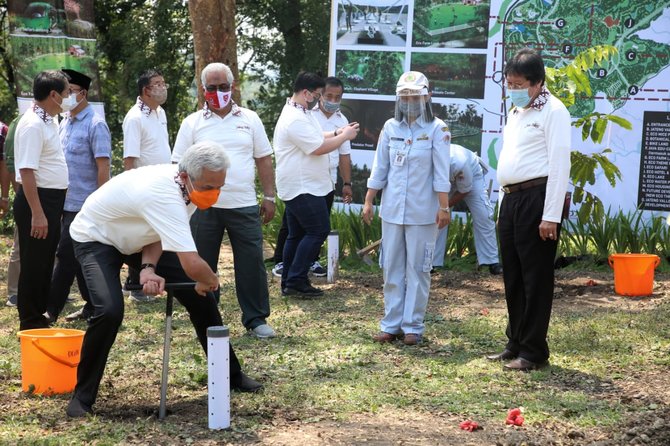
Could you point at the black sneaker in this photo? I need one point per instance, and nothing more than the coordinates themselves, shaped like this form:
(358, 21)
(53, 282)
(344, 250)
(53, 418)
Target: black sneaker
(11, 301)
(302, 291)
(317, 270)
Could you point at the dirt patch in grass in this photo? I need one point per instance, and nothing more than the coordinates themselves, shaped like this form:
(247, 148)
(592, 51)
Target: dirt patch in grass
(640, 393)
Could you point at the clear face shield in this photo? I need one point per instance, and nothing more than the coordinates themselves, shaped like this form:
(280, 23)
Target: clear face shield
(413, 105)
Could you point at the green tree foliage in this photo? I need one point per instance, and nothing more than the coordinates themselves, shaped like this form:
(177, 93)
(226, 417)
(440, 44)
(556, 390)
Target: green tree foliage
(281, 38)
(7, 98)
(135, 35)
(569, 83)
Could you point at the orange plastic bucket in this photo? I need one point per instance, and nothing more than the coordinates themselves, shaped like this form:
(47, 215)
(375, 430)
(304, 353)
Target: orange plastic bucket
(49, 359)
(634, 273)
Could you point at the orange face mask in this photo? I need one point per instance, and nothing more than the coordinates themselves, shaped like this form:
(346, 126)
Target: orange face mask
(203, 199)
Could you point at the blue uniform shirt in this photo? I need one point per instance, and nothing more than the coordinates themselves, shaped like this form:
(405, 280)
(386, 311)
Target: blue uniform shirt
(84, 138)
(411, 165)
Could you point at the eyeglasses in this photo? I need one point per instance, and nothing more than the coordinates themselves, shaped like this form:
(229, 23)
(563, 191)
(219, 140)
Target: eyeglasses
(221, 87)
(517, 86)
(315, 95)
(159, 85)
(76, 91)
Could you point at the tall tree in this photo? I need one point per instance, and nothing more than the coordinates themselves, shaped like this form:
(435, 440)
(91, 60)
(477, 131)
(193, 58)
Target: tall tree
(214, 39)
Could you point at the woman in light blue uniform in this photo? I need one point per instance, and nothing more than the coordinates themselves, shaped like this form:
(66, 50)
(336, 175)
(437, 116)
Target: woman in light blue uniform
(411, 167)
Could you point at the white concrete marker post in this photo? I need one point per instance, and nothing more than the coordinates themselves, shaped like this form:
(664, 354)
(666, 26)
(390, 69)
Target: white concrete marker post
(218, 377)
(333, 256)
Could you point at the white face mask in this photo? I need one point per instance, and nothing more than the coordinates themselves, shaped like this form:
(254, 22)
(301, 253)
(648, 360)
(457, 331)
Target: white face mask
(68, 103)
(159, 95)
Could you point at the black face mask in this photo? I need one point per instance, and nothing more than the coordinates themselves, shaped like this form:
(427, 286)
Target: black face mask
(311, 104)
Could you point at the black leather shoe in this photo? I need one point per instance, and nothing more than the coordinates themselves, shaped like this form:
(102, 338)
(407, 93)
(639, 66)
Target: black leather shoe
(524, 365)
(242, 383)
(302, 291)
(76, 409)
(505, 355)
(495, 269)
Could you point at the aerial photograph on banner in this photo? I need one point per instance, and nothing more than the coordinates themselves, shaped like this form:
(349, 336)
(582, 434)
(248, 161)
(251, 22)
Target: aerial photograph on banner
(52, 18)
(369, 72)
(453, 75)
(452, 24)
(465, 122)
(372, 22)
(48, 54)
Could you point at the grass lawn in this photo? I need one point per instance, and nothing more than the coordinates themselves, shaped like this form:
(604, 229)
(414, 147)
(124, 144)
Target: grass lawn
(327, 383)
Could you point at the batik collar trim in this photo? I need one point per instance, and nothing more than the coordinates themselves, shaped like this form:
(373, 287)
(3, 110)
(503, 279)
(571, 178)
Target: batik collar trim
(43, 115)
(291, 102)
(144, 108)
(207, 113)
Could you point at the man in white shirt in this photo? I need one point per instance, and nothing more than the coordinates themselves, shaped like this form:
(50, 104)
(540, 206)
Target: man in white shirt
(533, 172)
(42, 172)
(466, 174)
(141, 218)
(303, 182)
(145, 137)
(241, 132)
(330, 118)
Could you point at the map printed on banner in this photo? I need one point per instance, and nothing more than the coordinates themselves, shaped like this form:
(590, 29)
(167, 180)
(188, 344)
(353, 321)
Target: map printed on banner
(461, 46)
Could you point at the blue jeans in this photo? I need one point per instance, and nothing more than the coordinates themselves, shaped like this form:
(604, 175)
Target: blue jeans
(308, 227)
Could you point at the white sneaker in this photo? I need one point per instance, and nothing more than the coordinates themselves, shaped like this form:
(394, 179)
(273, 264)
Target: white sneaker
(317, 270)
(277, 269)
(139, 296)
(263, 331)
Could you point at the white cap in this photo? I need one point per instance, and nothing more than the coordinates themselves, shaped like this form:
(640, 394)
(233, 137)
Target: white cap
(412, 83)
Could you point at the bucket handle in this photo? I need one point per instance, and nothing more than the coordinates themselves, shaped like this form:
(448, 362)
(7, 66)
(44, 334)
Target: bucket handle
(610, 260)
(65, 362)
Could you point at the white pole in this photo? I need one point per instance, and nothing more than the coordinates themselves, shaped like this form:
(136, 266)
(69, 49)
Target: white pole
(333, 256)
(218, 377)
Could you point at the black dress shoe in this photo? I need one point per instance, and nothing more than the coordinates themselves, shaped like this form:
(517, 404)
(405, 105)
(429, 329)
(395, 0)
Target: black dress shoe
(302, 291)
(524, 365)
(76, 409)
(505, 355)
(495, 269)
(243, 383)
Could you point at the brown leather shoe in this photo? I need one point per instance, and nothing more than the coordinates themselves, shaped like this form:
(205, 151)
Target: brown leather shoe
(505, 355)
(382, 337)
(524, 365)
(412, 339)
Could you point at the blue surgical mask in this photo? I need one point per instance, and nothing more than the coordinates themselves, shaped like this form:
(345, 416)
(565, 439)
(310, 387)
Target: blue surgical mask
(330, 107)
(520, 98)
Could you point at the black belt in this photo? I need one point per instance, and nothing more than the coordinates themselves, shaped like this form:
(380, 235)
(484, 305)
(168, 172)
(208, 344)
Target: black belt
(523, 186)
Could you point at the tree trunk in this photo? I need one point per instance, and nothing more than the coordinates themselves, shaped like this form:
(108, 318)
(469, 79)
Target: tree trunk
(214, 39)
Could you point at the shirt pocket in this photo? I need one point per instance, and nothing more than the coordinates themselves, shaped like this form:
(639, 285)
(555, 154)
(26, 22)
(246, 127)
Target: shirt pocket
(421, 155)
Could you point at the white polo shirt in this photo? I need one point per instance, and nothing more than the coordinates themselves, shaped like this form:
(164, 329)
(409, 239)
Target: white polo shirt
(242, 135)
(330, 124)
(135, 209)
(37, 147)
(145, 135)
(536, 143)
(298, 134)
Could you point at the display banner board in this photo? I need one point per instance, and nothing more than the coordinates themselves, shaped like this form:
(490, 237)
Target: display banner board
(51, 35)
(461, 47)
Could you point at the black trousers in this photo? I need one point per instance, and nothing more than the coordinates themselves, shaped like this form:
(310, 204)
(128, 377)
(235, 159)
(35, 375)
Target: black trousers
(528, 272)
(67, 268)
(283, 231)
(37, 256)
(101, 265)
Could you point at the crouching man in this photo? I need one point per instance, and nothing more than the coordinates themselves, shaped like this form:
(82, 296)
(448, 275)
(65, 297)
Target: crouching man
(141, 218)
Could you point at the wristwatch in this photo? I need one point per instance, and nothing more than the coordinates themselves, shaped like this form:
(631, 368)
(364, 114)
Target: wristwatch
(270, 199)
(346, 183)
(447, 209)
(147, 265)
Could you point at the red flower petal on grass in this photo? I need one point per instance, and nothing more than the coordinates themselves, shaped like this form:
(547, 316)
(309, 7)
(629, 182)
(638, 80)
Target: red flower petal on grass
(591, 282)
(484, 312)
(518, 421)
(469, 425)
